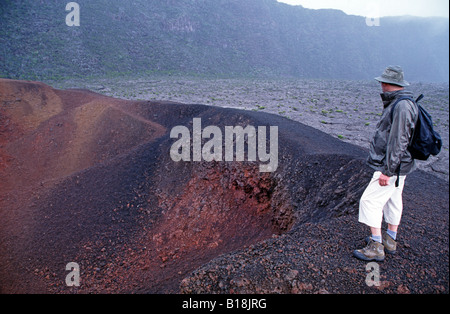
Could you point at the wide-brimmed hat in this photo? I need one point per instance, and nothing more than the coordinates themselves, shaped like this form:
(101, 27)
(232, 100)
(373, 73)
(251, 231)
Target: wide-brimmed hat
(393, 75)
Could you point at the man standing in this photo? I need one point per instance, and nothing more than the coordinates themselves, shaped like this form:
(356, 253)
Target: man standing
(391, 160)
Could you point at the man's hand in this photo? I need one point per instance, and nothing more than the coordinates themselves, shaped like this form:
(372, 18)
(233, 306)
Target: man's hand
(384, 180)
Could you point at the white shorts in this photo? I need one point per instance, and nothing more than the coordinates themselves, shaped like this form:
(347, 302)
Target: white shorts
(378, 201)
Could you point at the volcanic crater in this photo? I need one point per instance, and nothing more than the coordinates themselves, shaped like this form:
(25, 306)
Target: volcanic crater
(88, 179)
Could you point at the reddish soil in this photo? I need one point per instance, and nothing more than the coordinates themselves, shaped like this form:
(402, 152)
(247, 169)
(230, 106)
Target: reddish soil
(88, 179)
(83, 183)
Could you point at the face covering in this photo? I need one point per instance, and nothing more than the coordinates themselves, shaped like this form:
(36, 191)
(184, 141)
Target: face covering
(387, 97)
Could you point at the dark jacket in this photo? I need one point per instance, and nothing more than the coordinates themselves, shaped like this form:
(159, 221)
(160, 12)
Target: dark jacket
(392, 137)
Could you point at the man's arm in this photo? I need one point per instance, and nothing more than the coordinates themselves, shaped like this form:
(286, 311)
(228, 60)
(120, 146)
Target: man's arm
(399, 136)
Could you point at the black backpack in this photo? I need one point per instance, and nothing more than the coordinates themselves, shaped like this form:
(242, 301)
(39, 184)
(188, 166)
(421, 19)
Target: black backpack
(425, 141)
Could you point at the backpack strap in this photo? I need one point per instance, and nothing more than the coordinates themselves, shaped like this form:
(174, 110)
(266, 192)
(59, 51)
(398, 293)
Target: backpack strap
(405, 98)
(396, 103)
(397, 182)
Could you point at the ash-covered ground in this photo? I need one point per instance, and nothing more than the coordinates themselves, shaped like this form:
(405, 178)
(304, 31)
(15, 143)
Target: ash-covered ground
(88, 179)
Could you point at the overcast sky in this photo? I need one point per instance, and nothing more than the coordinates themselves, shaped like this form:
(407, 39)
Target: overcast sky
(379, 8)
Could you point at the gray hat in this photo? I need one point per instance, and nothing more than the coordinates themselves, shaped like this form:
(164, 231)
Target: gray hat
(393, 75)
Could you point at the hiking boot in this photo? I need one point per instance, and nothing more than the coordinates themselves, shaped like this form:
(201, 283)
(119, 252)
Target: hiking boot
(389, 244)
(374, 251)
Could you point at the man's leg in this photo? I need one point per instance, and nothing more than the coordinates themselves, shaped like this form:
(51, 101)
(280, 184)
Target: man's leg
(393, 228)
(376, 234)
(392, 231)
(392, 212)
(373, 201)
(393, 209)
(371, 208)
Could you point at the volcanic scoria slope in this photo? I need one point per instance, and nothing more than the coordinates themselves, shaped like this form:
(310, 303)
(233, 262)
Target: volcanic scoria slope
(88, 179)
